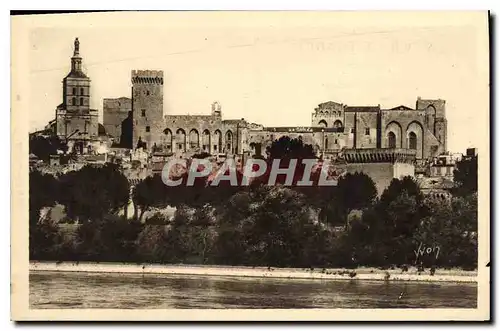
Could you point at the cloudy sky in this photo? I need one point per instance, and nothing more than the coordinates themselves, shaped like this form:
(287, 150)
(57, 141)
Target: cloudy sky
(271, 68)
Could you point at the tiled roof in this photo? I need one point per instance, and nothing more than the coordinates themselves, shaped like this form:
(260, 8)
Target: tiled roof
(76, 74)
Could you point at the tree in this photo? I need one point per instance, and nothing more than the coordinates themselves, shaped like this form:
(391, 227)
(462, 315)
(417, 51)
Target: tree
(43, 233)
(93, 191)
(399, 212)
(465, 176)
(355, 191)
(397, 187)
(150, 192)
(279, 227)
(110, 238)
(286, 149)
(152, 244)
(44, 146)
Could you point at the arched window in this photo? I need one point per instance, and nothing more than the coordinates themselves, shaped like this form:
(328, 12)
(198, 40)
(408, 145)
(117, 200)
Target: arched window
(323, 123)
(412, 140)
(167, 140)
(217, 148)
(181, 140)
(391, 137)
(194, 139)
(206, 141)
(229, 142)
(337, 124)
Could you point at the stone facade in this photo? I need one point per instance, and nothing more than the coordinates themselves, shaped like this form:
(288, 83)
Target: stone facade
(116, 113)
(383, 143)
(147, 108)
(334, 126)
(75, 123)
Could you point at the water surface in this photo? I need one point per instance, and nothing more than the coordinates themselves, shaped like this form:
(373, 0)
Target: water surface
(90, 290)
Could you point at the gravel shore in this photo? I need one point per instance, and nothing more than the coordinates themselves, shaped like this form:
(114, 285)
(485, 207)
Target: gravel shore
(453, 275)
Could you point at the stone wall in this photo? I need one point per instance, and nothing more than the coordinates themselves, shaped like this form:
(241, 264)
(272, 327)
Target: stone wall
(115, 114)
(87, 125)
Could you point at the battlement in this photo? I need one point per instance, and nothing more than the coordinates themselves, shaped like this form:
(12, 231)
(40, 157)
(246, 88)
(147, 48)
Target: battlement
(380, 155)
(147, 77)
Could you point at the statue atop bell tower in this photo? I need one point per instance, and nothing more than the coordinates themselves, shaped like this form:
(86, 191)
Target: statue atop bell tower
(77, 47)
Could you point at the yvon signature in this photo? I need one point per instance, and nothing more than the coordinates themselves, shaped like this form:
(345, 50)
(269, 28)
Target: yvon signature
(427, 250)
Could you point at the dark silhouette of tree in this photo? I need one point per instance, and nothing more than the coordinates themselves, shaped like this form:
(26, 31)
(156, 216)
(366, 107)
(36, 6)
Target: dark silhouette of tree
(110, 238)
(286, 149)
(398, 186)
(355, 191)
(44, 146)
(94, 191)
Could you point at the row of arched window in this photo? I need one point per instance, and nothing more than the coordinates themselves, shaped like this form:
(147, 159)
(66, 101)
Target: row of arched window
(74, 102)
(337, 124)
(75, 91)
(210, 143)
(412, 140)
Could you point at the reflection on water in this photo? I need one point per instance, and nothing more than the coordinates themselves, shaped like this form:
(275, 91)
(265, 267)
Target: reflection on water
(84, 290)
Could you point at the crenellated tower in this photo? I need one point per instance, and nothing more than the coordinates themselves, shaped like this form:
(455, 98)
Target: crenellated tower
(147, 108)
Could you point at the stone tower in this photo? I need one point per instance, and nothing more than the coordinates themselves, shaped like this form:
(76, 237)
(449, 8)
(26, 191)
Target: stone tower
(435, 119)
(147, 108)
(76, 85)
(76, 124)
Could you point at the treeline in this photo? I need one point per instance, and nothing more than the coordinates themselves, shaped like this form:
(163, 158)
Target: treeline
(337, 226)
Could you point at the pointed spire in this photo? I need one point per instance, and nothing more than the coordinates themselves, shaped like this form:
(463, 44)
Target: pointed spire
(77, 47)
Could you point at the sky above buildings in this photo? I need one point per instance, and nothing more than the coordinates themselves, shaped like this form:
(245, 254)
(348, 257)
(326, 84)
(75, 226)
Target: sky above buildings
(272, 68)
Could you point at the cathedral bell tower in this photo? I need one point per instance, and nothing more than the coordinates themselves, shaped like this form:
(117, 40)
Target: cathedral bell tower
(76, 124)
(76, 85)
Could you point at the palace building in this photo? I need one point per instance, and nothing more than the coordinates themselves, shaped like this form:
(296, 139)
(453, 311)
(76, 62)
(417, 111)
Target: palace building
(398, 140)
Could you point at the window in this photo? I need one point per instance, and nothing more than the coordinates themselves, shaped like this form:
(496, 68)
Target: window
(391, 137)
(74, 90)
(215, 147)
(147, 92)
(336, 141)
(81, 91)
(326, 143)
(143, 112)
(148, 129)
(352, 130)
(412, 137)
(73, 101)
(81, 101)
(367, 131)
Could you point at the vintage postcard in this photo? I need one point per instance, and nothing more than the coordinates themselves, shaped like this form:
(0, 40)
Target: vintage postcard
(290, 166)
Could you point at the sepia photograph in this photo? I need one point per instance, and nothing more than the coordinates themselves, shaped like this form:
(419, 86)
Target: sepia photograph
(251, 166)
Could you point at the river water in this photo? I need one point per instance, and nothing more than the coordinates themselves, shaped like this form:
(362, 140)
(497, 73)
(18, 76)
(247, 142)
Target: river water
(90, 290)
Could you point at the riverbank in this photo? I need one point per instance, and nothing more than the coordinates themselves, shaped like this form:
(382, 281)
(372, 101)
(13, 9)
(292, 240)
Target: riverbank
(454, 275)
